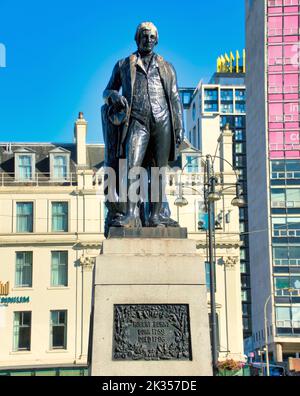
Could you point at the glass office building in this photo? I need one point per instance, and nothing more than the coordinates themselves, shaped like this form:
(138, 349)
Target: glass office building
(273, 29)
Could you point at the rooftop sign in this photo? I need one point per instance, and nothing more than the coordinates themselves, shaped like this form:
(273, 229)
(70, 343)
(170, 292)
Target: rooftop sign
(231, 63)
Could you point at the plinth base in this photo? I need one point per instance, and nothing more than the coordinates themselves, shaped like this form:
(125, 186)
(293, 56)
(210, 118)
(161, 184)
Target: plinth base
(150, 310)
(158, 232)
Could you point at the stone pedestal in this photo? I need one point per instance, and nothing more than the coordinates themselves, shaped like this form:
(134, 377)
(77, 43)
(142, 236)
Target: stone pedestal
(150, 310)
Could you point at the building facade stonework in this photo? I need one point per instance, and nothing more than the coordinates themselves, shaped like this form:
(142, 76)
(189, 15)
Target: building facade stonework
(52, 227)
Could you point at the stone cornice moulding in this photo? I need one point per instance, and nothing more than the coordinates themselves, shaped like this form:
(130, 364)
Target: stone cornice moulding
(37, 190)
(220, 245)
(52, 239)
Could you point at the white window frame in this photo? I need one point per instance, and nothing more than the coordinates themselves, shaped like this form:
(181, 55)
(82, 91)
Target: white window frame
(15, 347)
(15, 216)
(65, 347)
(59, 152)
(50, 228)
(67, 272)
(52, 164)
(23, 286)
(17, 166)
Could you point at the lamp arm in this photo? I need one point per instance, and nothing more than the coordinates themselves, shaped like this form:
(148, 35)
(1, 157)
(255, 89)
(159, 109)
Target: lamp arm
(223, 159)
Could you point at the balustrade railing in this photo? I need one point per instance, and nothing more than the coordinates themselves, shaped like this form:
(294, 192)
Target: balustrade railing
(39, 179)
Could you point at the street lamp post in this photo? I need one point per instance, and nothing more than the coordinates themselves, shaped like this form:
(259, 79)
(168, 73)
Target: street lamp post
(210, 198)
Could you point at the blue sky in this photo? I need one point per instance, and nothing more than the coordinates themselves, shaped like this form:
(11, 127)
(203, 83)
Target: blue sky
(60, 54)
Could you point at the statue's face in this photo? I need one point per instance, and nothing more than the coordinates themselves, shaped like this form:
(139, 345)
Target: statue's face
(147, 41)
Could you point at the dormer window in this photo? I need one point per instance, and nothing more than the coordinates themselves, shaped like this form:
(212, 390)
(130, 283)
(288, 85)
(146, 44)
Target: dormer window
(59, 164)
(24, 165)
(60, 167)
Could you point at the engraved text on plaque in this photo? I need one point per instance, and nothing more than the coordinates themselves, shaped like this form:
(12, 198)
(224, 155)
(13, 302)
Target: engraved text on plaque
(151, 332)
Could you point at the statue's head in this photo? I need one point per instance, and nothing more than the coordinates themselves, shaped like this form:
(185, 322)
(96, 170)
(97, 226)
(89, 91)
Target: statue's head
(146, 37)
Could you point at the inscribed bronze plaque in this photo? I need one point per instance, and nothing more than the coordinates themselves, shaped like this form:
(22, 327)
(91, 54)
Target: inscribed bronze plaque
(151, 332)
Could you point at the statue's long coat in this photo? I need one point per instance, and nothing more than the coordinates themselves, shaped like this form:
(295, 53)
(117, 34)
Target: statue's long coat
(123, 76)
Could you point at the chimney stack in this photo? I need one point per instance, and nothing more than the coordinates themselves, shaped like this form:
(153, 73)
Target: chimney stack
(80, 132)
(226, 141)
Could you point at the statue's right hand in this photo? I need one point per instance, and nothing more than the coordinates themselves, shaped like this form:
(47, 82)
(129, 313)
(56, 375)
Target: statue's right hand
(118, 101)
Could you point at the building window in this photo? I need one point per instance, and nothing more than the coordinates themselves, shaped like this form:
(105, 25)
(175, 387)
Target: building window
(23, 269)
(240, 94)
(211, 94)
(296, 317)
(245, 296)
(241, 174)
(224, 120)
(24, 217)
(59, 269)
(239, 148)
(288, 320)
(239, 135)
(60, 167)
(22, 330)
(226, 108)
(287, 286)
(245, 281)
(199, 136)
(289, 169)
(240, 121)
(25, 167)
(194, 139)
(58, 330)
(242, 228)
(243, 254)
(227, 95)
(293, 197)
(227, 101)
(285, 197)
(240, 107)
(283, 317)
(286, 255)
(210, 107)
(59, 216)
(240, 161)
(278, 197)
(243, 267)
(192, 164)
(211, 100)
(246, 324)
(194, 112)
(286, 227)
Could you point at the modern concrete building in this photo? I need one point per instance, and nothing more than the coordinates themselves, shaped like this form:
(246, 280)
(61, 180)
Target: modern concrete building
(52, 227)
(273, 162)
(211, 107)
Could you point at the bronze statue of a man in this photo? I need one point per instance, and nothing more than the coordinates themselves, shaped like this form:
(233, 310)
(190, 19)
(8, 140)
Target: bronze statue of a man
(152, 127)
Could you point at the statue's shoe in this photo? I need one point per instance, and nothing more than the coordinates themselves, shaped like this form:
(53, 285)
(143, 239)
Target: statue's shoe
(159, 221)
(169, 222)
(128, 222)
(155, 221)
